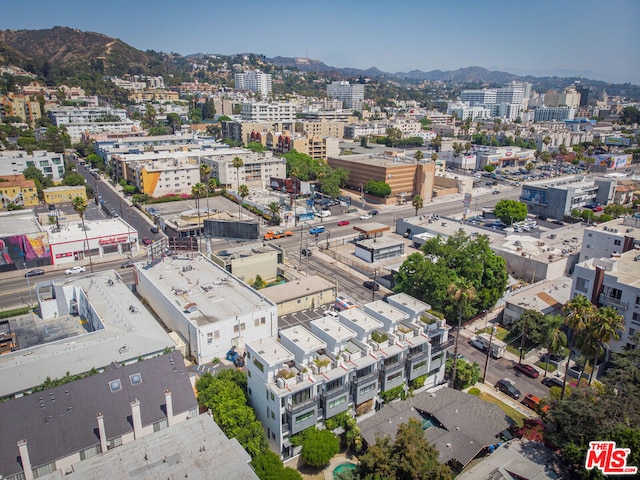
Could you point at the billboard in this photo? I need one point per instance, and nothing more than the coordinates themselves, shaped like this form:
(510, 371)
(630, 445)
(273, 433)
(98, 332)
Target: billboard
(613, 162)
(230, 229)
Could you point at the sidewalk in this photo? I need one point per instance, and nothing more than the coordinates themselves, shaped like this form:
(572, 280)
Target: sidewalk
(507, 400)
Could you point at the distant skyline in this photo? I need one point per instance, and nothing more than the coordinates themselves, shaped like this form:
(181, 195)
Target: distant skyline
(591, 38)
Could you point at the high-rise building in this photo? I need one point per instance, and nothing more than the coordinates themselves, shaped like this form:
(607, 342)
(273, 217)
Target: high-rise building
(256, 81)
(351, 95)
(583, 90)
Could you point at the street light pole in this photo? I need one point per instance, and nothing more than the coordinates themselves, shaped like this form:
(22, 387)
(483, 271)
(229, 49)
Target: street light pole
(373, 285)
(28, 284)
(486, 363)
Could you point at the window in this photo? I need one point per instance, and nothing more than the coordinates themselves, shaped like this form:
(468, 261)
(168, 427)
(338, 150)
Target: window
(419, 365)
(114, 442)
(258, 365)
(272, 396)
(333, 384)
(368, 388)
(301, 396)
(161, 425)
(635, 317)
(209, 338)
(135, 379)
(273, 415)
(393, 376)
(637, 300)
(242, 327)
(617, 242)
(216, 334)
(582, 284)
(337, 401)
(257, 322)
(304, 416)
(236, 329)
(263, 320)
(115, 385)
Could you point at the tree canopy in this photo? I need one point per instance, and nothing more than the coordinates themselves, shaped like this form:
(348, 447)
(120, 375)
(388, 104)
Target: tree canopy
(409, 456)
(427, 275)
(510, 211)
(319, 446)
(377, 189)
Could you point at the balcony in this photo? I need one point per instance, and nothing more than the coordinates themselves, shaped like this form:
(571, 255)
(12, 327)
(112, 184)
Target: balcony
(293, 409)
(365, 378)
(393, 367)
(606, 300)
(442, 346)
(416, 356)
(345, 387)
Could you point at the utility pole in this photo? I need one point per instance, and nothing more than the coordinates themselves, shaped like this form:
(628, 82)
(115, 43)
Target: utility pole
(373, 286)
(486, 363)
(524, 334)
(300, 264)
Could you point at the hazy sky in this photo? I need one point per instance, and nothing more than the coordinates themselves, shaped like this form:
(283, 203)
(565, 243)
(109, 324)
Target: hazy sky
(598, 39)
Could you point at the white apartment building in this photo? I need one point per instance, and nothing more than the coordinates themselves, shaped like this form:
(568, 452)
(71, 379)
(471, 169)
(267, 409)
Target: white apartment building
(610, 238)
(13, 162)
(268, 112)
(311, 375)
(559, 114)
(210, 310)
(506, 102)
(255, 80)
(463, 111)
(256, 171)
(165, 176)
(351, 95)
(354, 131)
(69, 115)
(613, 282)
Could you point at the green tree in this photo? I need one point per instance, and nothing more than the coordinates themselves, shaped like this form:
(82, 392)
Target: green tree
(205, 171)
(409, 457)
(377, 189)
(73, 179)
(243, 191)
(198, 191)
(274, 211)
(319, 447)
(417, 202)
(510, 211)
(605, 326)
(79, 204)
(394, 135)
(427, 275)
(256, 147)
(467, 373)
(458, 148)
(418, 156)
(237, 163)
(268, 466)
(555, 339)
(259, 283)
(630, 115)
(363, 141)
(579, 311)
(530, 327)
(461, 293)
(437, 142)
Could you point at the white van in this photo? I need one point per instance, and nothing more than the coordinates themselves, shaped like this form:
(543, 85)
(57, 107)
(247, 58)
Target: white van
(323, 213)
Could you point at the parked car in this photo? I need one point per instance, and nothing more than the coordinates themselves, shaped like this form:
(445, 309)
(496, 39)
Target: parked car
(534, 403)
(371, 285)
(114, 214)
(306, 252)
(496, 192)
(72, 270)
(34, 273)
(342, 223)
(154, 229)
(147, 241)
(366, 216)
(373, 212)
(597, 208)
(127, 264)
(552, 382)
(528, 370)
(506, 387)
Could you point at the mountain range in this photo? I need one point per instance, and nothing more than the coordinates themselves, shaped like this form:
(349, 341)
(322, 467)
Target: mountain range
(59, 51)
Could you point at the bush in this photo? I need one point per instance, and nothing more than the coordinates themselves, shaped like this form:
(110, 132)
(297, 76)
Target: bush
(475, 391)
(418, 382)
(319, 447)
(392, 394)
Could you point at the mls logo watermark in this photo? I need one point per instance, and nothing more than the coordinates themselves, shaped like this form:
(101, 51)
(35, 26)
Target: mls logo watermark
(609, 459)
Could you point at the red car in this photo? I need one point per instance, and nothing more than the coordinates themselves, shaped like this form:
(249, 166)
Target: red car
(597, 208)
(342, 223)
(528, 370)
(147, 241)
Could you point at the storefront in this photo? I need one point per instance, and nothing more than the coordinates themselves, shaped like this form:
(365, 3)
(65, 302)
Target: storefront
(111, 237)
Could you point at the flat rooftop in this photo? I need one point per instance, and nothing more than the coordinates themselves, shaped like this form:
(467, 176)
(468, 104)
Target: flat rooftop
(625, 267)
(214, 293)
(334, 329)
(303, 338)
(358, 317)
(128, 333)
(542, 295)
(628, 226)
(379, 242)
(18, 222)
(271, 351)
(413, 304)
(297, 288)
(386, 310)
(72, 231)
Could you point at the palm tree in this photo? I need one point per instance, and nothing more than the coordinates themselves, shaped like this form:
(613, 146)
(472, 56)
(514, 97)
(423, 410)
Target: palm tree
(80, 206)
(274, 210)
(434, 156)
(579, 311)
(294, 173)
(461, 293)
(243, 191)
(606, 327)
(205, 170)
(237, 163)
(198, 191)
(417, 202)
(418, 156)
(555, 338)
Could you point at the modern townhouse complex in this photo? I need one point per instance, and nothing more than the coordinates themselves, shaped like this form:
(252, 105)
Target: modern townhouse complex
(342, 364)
(351, 95)
(613, 281)
(13, 162)
(255, 81)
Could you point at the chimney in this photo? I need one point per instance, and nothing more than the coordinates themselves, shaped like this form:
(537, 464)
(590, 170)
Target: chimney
(169, 404)
(102, 432)
(137, 419)
(24, 457)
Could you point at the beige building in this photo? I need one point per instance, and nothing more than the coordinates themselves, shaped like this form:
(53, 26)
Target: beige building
(248, 262)
(301, 294)
(568, 98)
(64, 194)
(162, 96)
(23, 106)
(405, 177)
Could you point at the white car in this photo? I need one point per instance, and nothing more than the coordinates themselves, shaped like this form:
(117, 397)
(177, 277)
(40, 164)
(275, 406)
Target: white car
(72, 270)
(366, 216)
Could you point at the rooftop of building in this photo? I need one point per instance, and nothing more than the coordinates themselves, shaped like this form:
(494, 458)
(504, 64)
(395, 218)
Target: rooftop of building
(543, 295)
(387, 310)
(271, 351)
(380, 160)
(333, 328)
(18, 222)
(358, 317)
(415, 305)
(72, 232)
(63, 188)
(379, 242)
(208, 292)
(303, 338)
(60, 421)
(297, 288)
(624, 267)
(64, 344)
(627, 226)
(197, 447)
